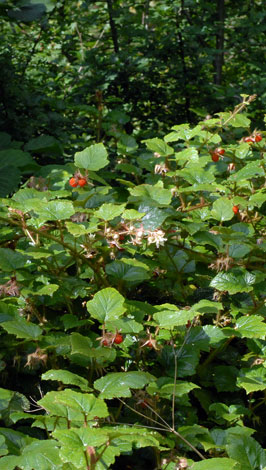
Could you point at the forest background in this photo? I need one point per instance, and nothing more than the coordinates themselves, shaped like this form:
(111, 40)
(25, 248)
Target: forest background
(132, 235)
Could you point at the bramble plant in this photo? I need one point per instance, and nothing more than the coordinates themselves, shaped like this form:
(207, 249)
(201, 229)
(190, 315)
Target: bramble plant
(133, 305)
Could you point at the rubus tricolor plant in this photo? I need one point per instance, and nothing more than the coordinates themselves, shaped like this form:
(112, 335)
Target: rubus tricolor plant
(133, 309)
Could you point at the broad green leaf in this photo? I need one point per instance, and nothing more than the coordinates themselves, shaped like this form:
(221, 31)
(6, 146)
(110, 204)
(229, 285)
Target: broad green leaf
(251, 327)
(216, 464)
(159, 146)
(22, 329)
(118, 384)
(132, 214)
(11, 401)
(106, 305)
(151, 194)
(47, 290)
(252, 380)
(242, 150)
(240, 120)
(257, 199)
(52, 210)
(51, 403)
(45, 144)
(82, 348)
(251, 170)
(74, 443)
(9, 462)
(154, 217)
(11, 260)
(109, 211)
(246, 451)
(125, 325)
(234, 281)
(93, 158)
(85, 403)
(164, 387)
(15, 441)
(222, 209)
(128, 270)
(171, 318)
(41, 455)
(15, 157)
(197, 435)
(190, 154)
(3, 446)
(66, 377)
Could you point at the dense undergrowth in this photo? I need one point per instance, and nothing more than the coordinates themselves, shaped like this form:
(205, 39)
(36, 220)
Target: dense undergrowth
(133, 302)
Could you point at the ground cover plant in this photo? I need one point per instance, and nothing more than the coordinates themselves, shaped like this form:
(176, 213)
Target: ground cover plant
(133, 302)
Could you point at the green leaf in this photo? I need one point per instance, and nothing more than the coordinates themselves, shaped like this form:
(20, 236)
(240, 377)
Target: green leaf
(252, 380)
(164, 387)
(132, 214)
(67, 377)
(82, 349)
(242, 150)
(216, 464)
(11, 260)
(45, 144)
(171, 318)
(85, 403)
(257, 199)
(151, 194)
(22, 329)
(109, 211)
(234, 281)
(74, 444)
(128, 270)
(52, 210)
(222, 209)
(159, 146)
(92, 158)
(106, 305)
(118, 384)
(251, 327)
(249, 171)
(51, 404)
(15, 157)
(42, 455)
(190, 154)
(3, 446)
(225, 378)
(246, 451)
(240, 120)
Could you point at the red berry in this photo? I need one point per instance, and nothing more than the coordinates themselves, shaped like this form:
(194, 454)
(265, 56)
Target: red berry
(82, 182)
(249, 140)
(149, 344)
(235, 209)
(257, 138)
(215, 156)
(105, 342)
(118, 339)
(220, 151)
(73, 182)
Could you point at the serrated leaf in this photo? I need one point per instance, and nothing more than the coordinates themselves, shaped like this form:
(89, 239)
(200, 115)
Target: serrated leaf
(246, 451)
(42, 455)
(128, 270)
(216, 464)
(251, 327)
(159, 146)
(234, 281)
(109, 211)
(87, 404)
(67, 377)
(22, 329)
(222, 209)
(171, 318)
(190, 154)
(250, 170)
(74, 444)
(118, 384)
(52, 210)
(155, 195)
(240, 120)
(11, 260)
(93, 158)
(45, 144)
(106, 305)
(165, 387)
(252, 380)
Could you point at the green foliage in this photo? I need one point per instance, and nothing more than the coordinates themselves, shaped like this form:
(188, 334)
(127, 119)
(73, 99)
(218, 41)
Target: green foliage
(132, 308)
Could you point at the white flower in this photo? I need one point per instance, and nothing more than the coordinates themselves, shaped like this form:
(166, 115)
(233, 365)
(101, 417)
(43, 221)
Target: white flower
(156, 237)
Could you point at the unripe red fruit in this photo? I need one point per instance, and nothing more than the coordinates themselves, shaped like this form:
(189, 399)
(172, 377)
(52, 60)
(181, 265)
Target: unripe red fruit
(73, 182)
(215, 157)
(82, 182)
(257, 138)
(149, 344)
(235, 209)
(105, 342)
(118, 339)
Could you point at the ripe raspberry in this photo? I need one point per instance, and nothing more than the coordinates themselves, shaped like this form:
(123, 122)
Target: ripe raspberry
(235, 209)
(257, 138)
(215, 157)
(73, 182)
(82, 182)
(118, 339)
